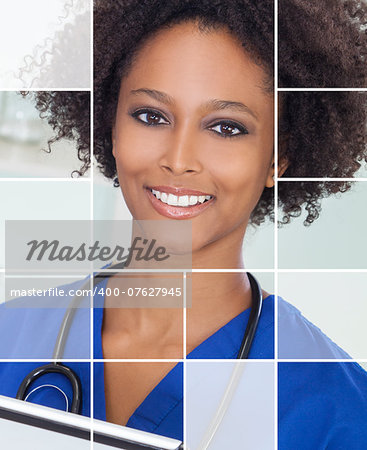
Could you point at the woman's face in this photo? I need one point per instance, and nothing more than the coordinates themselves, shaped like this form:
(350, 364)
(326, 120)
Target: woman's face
(193, 136)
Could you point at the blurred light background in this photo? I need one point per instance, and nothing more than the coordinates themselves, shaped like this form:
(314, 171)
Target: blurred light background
(33, 50)
(40, 200)
(336, 240)
(334, 302)
(23, 139)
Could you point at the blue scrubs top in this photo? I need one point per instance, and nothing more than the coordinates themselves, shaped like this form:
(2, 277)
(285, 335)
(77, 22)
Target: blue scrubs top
(321, 405)
(162, 410)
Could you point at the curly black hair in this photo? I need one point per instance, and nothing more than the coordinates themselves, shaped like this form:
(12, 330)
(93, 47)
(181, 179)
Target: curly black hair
(322, 43)
(322, 134)
(68, 113)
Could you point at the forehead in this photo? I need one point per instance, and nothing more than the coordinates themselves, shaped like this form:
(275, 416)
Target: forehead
(184, 60)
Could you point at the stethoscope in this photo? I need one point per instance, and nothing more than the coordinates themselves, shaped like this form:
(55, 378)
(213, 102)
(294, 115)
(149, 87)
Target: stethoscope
(57, 367)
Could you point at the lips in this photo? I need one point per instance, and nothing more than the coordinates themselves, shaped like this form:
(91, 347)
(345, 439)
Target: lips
(178, 203)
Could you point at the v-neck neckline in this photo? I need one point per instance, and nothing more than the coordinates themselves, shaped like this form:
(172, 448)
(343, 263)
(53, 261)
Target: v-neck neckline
(164, 397)
(168, 393)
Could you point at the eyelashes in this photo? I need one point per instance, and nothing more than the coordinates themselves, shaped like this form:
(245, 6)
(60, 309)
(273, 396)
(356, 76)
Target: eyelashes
(227, 128)
(224, 128)
(150, 117)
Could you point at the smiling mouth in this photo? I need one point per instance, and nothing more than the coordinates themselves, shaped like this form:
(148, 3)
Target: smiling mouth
(178, 203)
(183, 201)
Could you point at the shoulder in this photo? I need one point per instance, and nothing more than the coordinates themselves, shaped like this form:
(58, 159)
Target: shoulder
(263, 344)
(298, 338)
(29, 325)
(329, 398)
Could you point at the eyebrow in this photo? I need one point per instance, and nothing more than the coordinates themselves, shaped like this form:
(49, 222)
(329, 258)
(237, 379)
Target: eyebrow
(215, 104)
(220, 105)
(156, 95)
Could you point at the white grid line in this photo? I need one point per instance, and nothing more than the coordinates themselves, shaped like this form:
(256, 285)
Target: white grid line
(249, 269)
(191, 361)
(318, 360)
(47, 179)
(184, 359)
(300, 179)
(275, 223)
(48, 89)
(304, 179)
(282, 270)
(89, 178)
(90, 360)
(92, 217)
(322, 89)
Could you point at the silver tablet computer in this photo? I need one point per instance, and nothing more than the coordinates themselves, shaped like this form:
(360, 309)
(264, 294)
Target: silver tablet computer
(26, 425)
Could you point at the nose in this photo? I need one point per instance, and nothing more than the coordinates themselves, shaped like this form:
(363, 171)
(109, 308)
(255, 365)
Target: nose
(182, 152)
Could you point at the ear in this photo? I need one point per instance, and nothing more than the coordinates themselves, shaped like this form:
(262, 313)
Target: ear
(283, 161)
(283, 164)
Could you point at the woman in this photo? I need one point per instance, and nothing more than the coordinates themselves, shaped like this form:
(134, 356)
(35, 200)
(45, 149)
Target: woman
(184, 124)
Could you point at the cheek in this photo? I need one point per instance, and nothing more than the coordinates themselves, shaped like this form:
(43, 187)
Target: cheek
(134, 153)
(242, 169)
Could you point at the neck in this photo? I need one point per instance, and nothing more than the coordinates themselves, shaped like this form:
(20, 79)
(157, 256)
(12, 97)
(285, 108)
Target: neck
(213, 299)
(216, 298)
(226, 253)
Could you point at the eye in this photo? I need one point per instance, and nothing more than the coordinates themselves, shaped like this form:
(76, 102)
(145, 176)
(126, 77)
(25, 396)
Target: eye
(150, 117)
(228, 129)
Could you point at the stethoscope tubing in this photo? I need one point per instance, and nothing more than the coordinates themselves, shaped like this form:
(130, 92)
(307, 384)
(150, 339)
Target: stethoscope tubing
(256, 308)
(58, 367)
(74, 380)
(67, 320)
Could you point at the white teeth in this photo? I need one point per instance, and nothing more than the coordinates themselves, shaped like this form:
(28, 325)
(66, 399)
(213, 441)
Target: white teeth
(180, 200)
(172, 200)
(193, 200)
(183, 200)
